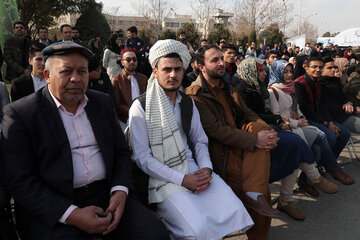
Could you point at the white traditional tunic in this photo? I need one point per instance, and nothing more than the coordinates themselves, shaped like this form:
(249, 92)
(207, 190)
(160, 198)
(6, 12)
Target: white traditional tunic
(211, 214)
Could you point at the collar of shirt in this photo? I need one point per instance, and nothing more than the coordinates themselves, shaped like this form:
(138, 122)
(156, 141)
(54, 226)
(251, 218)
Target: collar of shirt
(81, 107)
(212, 86)
(37, 79)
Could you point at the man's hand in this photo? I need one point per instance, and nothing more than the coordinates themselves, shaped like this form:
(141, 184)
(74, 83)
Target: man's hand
(349, 109)
(266, 140)
(302, 123)
(334, 128)
(115, 209)
(90, 219)
(198, 181)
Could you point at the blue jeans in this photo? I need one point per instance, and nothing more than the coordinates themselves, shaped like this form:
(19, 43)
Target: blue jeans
(337, 144)
(323, 154)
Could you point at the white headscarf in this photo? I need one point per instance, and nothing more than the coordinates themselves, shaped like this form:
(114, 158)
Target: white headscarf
(164, 47)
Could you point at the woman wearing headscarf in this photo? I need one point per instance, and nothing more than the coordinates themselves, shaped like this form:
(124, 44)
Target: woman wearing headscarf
(94, 48)
(299, 67)
(291, 149)
(343, 65)
(112, 56)
(284, 102)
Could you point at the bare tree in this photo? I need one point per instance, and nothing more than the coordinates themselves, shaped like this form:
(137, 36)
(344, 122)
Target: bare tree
(202, 11)
(309, 29)
(256, 15)
(113, 10)
(154, 11)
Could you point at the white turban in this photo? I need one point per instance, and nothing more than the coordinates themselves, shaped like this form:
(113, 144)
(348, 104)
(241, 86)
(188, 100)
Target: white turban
(164, 47)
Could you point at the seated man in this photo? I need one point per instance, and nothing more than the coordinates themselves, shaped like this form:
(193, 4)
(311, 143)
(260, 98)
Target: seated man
(313, 104)
(27, 84)
(240, 142)
(128, 84)
(170, 145)
(66, 162)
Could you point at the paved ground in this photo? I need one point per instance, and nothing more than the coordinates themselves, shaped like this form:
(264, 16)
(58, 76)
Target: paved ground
(328, 217)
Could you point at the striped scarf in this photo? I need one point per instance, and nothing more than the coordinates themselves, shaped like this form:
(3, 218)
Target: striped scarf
(165, 140)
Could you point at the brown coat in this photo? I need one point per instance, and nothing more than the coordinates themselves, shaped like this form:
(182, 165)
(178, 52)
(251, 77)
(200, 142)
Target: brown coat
(232, 149)
(122, 90)
(221, 134)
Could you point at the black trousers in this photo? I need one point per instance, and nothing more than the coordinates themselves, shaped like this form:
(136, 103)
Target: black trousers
(137, 222)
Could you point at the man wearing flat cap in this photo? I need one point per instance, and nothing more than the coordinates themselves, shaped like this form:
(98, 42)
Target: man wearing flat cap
(65, 160)
(170, 145)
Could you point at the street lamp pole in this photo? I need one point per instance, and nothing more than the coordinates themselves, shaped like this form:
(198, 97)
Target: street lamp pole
(299, 18)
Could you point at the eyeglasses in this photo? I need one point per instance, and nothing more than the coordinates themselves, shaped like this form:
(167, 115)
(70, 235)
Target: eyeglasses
(317, 67)
(19, 27)
(129, 59)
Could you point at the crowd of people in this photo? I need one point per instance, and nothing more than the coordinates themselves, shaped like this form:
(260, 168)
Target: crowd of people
(208, 127)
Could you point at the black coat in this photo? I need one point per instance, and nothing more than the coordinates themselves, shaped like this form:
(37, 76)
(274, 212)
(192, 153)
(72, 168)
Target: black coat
(21, 87)
(16, 53)
(335, 98)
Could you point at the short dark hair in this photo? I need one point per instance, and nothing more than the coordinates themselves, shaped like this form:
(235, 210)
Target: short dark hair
(132, 29)
(316, 58)
(203, 40)
(201, 52)
(41, 28)
(327, 59)
(227, 46)
(75, 28)
(271, 52)
(64, 26)
(182, 33)
(18, 22)
(170, 55)
(34, 48)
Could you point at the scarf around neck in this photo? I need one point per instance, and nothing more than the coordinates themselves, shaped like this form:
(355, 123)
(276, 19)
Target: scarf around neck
(165, 140)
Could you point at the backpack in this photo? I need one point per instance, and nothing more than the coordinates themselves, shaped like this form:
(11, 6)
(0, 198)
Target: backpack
(141, 179)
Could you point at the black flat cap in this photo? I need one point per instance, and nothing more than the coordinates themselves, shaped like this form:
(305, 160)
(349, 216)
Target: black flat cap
(65, 47)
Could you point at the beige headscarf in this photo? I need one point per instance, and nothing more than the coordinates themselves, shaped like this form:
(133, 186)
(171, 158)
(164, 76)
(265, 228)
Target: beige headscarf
(341, 63)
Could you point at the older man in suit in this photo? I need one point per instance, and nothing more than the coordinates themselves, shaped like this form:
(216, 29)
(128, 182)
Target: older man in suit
(66, 162)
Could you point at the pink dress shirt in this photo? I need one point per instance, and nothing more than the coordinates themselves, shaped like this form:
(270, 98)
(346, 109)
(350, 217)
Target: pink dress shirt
(88, 163)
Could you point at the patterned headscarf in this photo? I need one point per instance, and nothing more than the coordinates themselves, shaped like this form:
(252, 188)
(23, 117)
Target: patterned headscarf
(277, 72)
(248, 71)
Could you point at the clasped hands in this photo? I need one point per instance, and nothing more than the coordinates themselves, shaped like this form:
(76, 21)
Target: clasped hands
(199, 181)
(267, 140)
(93, 219)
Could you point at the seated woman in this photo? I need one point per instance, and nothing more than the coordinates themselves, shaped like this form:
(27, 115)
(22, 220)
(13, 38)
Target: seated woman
(284, 103)
(291, 151)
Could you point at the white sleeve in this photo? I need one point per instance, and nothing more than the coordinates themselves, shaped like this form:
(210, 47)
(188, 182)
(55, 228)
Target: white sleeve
(198, 136)
(106, 58)
(141, 148)
(275, 107)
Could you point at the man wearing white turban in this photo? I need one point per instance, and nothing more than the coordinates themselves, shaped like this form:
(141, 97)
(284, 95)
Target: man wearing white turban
(194, 202)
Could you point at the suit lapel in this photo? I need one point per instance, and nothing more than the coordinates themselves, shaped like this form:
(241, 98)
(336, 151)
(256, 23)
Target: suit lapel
(93, 112)
(56, 126)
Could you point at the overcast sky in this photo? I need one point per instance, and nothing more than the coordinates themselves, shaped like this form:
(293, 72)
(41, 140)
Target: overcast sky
(327, 15)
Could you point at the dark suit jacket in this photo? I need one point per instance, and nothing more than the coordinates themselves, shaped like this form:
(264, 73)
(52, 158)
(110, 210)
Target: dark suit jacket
(21, 87)
(37, 161)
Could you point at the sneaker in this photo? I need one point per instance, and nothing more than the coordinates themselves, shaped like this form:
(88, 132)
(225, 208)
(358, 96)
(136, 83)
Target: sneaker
(289, 208)
(323, 185)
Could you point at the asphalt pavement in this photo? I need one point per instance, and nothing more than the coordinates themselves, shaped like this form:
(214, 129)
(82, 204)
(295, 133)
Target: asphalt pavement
(329, 216)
